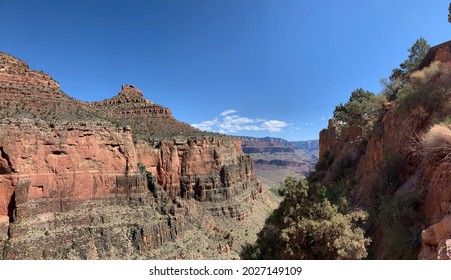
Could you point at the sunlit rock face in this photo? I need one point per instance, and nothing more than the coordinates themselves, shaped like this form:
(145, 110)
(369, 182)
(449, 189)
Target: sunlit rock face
(116, 178)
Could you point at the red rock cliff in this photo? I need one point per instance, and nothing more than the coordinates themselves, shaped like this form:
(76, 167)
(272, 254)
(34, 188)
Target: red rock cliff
(63, 164)
(71, 161)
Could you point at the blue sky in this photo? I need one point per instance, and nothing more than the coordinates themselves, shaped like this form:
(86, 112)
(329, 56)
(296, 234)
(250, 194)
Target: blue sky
(242, 67)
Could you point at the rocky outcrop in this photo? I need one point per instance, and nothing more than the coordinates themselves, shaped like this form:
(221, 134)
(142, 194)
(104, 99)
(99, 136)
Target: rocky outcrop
(55, 170)
(111, 179)
(327, 138)
(437, 240)
(125, 225)
(201, 168)
(147, 119)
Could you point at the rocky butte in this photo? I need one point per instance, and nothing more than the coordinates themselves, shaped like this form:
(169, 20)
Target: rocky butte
(116, 179)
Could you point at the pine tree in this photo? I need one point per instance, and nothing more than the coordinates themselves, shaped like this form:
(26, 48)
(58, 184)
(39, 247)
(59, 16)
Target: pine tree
(449, 13)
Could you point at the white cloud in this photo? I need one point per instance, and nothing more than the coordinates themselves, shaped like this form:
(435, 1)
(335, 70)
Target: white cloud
(228, 112)
(230, 122)
(274, 126)
(323, 118)
(206, 125)
(309, 124)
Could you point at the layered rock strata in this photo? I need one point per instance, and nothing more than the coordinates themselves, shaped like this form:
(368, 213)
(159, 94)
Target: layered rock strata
(109, 179)
(275, 159)
(147, 119)
(17, 78)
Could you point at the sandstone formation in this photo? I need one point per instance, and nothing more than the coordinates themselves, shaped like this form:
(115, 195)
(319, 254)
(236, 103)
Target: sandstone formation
(204, 168)
(147, 119)
(117, 178)
(73, 160)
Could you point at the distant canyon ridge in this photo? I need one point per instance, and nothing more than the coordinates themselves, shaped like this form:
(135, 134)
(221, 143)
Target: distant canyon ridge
(276, 158)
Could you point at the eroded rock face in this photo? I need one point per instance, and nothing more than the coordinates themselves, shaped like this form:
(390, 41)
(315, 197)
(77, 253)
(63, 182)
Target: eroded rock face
(203, 168)
(73, 185)
(57, 162)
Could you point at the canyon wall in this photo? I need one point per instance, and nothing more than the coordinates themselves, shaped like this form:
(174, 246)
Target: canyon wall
(117, 178)
(58, 162)
(204, 168)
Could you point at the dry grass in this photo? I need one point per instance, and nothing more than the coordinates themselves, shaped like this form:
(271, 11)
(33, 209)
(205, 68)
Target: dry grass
(428, 73)
(420, 113)
(430, 88)
(436, 143)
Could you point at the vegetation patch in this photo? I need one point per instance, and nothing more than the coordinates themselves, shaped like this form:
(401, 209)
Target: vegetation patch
(394, 215)
(308, 226)
(429, 88)
(361, 110)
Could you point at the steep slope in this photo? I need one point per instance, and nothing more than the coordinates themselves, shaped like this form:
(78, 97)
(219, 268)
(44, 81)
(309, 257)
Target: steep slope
(117, 178)
(400, 171)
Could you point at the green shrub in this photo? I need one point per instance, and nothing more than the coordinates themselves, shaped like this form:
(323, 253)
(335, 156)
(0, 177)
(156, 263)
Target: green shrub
(250, 252)
(344, 168)
(401, 225)
(337, 193)
(447, 120)
(390, 177)
(308, 226)
(361, 110)
(141, 168)
(279, 191)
